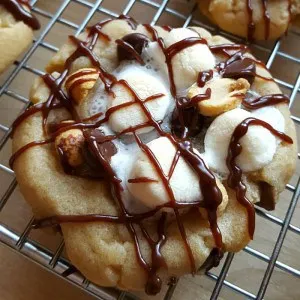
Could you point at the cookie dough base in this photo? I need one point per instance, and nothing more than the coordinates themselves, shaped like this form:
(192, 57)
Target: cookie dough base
(13, 41)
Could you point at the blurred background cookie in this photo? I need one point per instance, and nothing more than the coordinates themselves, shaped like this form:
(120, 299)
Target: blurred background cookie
(16, 30)
(252, 19)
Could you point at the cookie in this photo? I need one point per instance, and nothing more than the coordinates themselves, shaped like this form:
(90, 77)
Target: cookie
(16, 30)
(252, 19)
(149, 147)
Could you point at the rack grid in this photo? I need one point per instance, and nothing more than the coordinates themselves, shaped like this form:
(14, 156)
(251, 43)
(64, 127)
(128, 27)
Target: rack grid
(52, 260)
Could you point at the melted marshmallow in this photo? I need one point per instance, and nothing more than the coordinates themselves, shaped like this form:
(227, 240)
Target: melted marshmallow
(259, 145)
(153, 194)
(145, 84)
(188, 62)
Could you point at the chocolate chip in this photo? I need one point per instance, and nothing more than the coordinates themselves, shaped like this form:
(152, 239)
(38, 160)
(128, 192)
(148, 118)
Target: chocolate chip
(243, 68)
(186, 121)
(106, 146)
(267, 196)
(131, 46)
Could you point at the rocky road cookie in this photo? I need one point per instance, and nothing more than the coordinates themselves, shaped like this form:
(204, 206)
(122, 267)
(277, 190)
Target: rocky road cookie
(253, 19)
(149, 146)
(16, 30)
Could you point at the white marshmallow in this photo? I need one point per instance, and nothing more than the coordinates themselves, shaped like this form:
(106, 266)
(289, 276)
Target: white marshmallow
(179, 34)
(145, 84)
(259, 145)
(154, 52)
(272, 116)
(190, 61)
(153, 194)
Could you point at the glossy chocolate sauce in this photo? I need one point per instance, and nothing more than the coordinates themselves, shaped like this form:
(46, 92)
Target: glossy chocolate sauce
(203, 77)
(142, 180)
(31, 111)
(290, 15)
(186, 120)
(130, 21)
(26, 147)
(153, 31)
(266, 100)
(235, 177)
(16, 8)
(167, 28)
(266, 18)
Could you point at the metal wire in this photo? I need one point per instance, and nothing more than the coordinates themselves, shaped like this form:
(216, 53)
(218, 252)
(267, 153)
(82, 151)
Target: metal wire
(53, 261)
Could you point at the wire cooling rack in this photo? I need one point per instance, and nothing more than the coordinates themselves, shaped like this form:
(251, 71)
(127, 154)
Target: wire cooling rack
(178, 13)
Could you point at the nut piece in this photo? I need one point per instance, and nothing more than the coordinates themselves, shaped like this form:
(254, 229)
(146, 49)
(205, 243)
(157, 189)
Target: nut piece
(226, 94)
(81, 82)
(68, 144)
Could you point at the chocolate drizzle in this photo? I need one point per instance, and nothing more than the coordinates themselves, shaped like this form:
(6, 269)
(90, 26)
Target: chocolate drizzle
(203, 77)
(266, 19)
(141, 180)
(186, 120)
(15, 7)
(26, 147)
(99, 148)
(266, 100)
(251, 24)
(235, 177)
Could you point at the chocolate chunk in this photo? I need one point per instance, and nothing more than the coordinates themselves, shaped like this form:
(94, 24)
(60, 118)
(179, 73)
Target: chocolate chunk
(267, 196)
(90, 168)
(186, 121)
(212, 261)
(105, 145)
(243, 68)
(153, 285)
(131, 46)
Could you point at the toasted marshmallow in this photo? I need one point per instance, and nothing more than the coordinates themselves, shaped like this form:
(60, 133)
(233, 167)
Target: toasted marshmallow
(184, 181)
(145, 84)
(258, 145)
(191, 60)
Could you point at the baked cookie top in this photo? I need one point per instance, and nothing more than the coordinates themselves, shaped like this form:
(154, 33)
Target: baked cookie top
(149, 146)
(252, 19)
